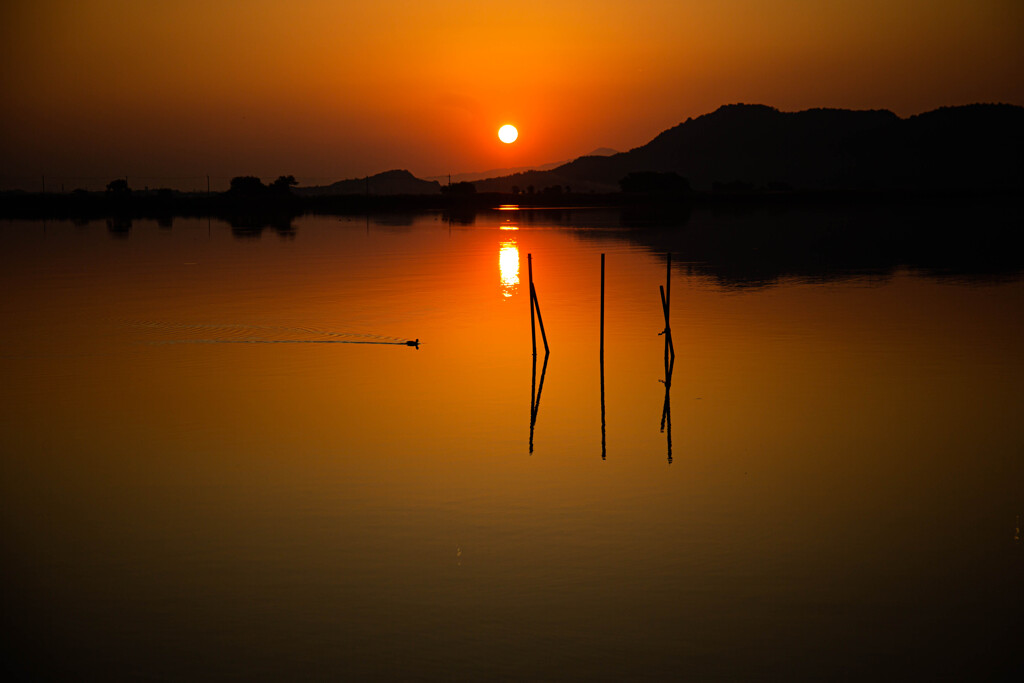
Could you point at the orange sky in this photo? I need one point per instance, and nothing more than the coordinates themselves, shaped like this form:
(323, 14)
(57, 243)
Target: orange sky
(169, 92)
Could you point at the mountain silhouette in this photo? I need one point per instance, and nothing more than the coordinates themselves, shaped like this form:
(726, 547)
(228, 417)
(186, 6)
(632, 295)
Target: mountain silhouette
(398, 182)
(496, 172)
(751, 146)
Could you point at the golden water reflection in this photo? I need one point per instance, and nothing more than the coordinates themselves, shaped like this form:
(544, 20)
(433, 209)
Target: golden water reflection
(508, 264)
(845, 453)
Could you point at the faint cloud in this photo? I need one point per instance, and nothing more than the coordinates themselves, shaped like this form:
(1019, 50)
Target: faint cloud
(463, 103)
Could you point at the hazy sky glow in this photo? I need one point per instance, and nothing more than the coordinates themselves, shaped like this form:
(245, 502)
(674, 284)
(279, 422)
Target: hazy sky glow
(169, 92)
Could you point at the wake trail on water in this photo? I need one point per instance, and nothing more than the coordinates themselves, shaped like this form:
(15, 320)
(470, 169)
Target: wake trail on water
(228, 333)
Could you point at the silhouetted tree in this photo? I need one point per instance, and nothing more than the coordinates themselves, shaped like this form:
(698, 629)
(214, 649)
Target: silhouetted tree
(247, 185)
(283, 184)
(119, 186)
(460, 188)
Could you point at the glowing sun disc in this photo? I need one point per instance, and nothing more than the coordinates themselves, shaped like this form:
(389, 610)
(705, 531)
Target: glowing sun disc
(508, 133)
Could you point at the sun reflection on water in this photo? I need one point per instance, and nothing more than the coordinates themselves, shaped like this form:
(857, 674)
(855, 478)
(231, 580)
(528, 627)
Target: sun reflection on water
(508, 264)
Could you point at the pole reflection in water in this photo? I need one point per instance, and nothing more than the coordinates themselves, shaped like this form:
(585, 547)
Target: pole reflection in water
(604, 442)
(666, 409)
(534, 319)
(300, 508)
(535, 391)
(670, 355)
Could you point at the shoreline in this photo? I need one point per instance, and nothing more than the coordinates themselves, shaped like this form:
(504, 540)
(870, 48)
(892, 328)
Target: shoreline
(163, 203)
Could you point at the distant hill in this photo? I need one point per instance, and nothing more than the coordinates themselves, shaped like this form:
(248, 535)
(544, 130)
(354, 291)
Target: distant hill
(474, 176)
(749, 146)
(397, 182)
(496, 172)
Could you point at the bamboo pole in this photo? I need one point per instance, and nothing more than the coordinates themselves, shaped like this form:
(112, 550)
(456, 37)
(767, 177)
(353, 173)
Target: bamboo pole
(668, 279)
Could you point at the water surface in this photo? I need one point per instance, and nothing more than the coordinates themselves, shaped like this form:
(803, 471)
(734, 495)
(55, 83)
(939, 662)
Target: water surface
(203, 478)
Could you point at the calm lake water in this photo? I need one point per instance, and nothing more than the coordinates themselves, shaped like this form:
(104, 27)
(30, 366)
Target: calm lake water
(203, 479)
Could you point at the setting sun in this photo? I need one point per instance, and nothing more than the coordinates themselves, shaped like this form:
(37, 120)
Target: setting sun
(508, 133)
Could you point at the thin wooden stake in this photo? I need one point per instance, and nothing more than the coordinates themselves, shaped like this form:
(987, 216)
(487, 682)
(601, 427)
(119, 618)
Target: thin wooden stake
(668, 279)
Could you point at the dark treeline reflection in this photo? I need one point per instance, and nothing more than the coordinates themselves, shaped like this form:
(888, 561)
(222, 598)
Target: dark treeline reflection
(743, 245)
(756, 247)
(757, 244)
(251, 226)
(243, 226)
(119, 226)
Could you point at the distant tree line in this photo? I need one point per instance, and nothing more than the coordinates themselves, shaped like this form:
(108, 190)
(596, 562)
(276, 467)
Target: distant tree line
(251, 186)
(639, 182)
(118, 186)
(246, 185)
(550, 190)
(460, 188)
